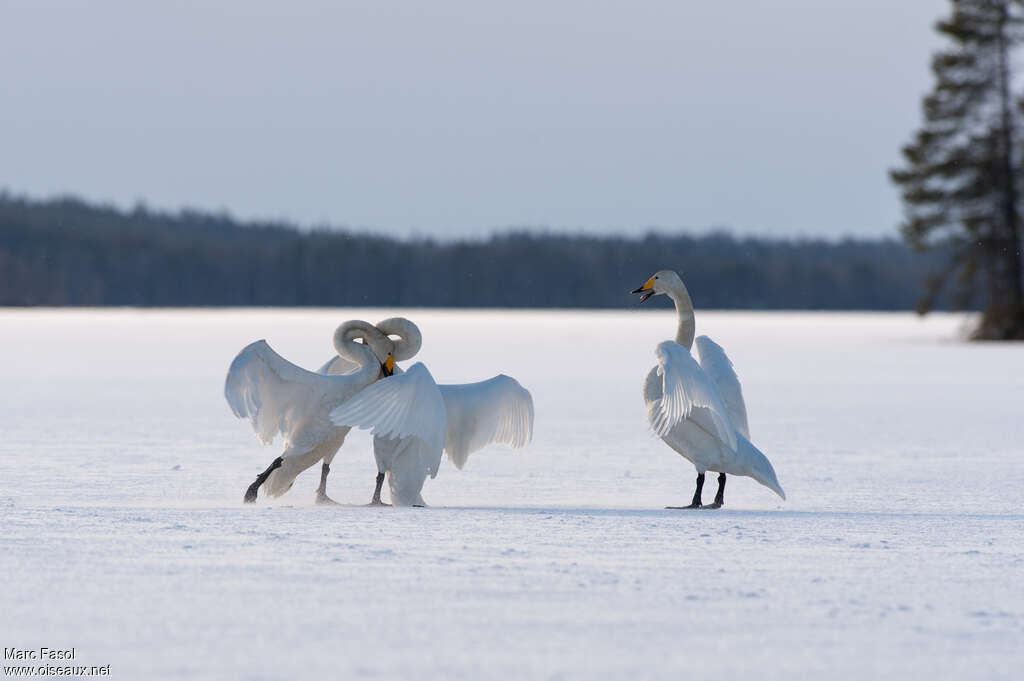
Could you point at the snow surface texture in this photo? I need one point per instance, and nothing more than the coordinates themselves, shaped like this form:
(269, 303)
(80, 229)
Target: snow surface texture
(899, 553)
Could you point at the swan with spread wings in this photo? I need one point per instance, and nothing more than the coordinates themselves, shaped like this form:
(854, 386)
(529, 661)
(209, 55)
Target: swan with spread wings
(697, 408)
(279, 397)
(498, 411)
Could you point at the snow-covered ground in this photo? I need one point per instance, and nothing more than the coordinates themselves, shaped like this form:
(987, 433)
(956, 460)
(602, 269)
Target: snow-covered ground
(899, 553)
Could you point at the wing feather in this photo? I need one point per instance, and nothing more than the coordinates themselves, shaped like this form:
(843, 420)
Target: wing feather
(685, 385)
(718, 366)
(403, 406)
(274, 394)
(496, 411)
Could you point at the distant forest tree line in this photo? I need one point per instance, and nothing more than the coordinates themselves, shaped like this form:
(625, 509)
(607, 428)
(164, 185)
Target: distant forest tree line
(66, 252)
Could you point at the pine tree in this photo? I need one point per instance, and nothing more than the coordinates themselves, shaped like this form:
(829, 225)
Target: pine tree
(961, 182)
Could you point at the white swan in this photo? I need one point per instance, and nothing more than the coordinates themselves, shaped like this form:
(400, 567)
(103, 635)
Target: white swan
(405, 410)
(698, 409)
(280, 397)
(477, 415)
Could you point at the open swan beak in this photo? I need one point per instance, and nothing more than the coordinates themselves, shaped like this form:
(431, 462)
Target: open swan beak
(647, 289)
(388, 365)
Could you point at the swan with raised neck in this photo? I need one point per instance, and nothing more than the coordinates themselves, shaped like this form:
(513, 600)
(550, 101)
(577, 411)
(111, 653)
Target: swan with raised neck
(704, 436)
(667, 282)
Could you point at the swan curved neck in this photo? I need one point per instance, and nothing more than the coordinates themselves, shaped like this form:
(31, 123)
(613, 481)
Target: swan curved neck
(684, 315)
(361, 353)
(410, 340)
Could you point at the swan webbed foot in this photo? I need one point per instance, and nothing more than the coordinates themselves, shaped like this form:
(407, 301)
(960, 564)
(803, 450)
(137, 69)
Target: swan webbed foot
(250, 494)
(720, 494)
(321, 492)
(696, 496)
(379, 483)
(712, 506)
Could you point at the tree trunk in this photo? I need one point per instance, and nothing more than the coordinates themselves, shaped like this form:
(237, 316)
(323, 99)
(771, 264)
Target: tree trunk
(1006, 246)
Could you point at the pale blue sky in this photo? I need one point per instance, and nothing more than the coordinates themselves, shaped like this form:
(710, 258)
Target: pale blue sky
(456, 117)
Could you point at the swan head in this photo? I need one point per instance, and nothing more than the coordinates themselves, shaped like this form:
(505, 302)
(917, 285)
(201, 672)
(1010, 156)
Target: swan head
(659, 284)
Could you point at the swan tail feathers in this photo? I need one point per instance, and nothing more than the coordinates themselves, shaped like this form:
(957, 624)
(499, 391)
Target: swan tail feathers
(760, 467)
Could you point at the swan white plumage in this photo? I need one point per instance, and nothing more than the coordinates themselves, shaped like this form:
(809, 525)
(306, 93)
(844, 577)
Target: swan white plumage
(279, 397)
(496, 411)
(477, 415)
(698, 408)
(407, 411)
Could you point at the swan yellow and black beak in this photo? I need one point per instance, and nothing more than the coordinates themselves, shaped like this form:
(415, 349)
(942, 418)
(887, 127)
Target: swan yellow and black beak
(388, 365)
(647, 289)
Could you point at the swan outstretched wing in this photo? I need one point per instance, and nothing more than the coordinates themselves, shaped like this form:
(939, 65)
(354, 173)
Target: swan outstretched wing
(718, 366)
(685, 386)
(495, 411)
(403, 406)
(274, 394)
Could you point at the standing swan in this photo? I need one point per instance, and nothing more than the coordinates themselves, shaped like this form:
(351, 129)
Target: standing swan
(698, 409)
(477, 415)
(280, 397)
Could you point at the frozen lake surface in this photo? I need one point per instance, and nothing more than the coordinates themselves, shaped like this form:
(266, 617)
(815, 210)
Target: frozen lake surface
(899, 553)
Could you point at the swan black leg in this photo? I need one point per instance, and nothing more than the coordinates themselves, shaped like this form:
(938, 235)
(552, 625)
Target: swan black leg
(696, 495)
(250, 494)
(321, 491)
(376, 492)
(720, 494)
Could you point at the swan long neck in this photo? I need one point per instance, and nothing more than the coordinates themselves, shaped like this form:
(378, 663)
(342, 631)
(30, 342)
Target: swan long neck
(410, 339)
(684, 314)
(345, 344)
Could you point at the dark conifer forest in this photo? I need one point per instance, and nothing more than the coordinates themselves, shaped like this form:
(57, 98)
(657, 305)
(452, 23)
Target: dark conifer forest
(961, 179)
(67, 252)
